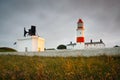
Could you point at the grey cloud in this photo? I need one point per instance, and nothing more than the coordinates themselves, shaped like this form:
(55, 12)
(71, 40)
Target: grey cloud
(56, 19)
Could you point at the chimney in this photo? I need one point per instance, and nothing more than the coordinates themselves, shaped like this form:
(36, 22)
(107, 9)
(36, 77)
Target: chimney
(101, 41)
(91, 41)
(70, 42)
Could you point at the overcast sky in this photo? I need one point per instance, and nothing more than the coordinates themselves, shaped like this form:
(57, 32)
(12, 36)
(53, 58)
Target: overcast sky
(56, 20)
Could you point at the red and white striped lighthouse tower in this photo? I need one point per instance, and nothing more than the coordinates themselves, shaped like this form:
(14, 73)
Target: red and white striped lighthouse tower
(80, 39)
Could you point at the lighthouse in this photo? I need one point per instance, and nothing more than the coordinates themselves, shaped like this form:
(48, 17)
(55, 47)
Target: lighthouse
(80, 39)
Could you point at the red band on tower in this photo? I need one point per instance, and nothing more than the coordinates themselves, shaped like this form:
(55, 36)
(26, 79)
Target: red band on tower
(80, 39)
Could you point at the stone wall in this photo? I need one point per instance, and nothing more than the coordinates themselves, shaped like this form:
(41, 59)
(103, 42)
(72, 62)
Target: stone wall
(67, 53)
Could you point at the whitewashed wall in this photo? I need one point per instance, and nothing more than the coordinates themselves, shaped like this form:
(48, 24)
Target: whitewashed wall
(30, 44)
(95, 46)
(34, 43)
(24, 44)
(67, 53)
(79, 46)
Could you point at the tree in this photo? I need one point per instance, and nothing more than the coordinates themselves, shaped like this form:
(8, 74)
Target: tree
(116, 46)
(61, 46)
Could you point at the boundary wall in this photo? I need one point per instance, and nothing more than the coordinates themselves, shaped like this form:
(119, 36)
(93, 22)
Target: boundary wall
(68, 53)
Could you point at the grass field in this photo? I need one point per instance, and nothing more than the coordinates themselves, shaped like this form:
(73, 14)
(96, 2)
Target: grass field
(59, 68)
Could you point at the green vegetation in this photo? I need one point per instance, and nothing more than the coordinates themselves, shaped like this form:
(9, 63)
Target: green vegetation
(61, 46)
(6, 49)
(59, 68)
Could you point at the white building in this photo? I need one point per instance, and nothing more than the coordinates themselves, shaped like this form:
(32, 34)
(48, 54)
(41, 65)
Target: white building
(71, 45)
(93, 45)
(30, 44)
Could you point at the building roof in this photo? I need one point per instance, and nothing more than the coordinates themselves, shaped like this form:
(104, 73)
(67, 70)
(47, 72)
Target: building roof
(99, 42)
(80, 21)
(71, 44)
(94, 43)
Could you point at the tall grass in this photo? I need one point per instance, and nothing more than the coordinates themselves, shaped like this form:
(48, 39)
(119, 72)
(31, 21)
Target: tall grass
(59, 68)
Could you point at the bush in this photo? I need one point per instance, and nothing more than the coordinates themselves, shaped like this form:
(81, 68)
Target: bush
(61, 46)
(6, 49)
